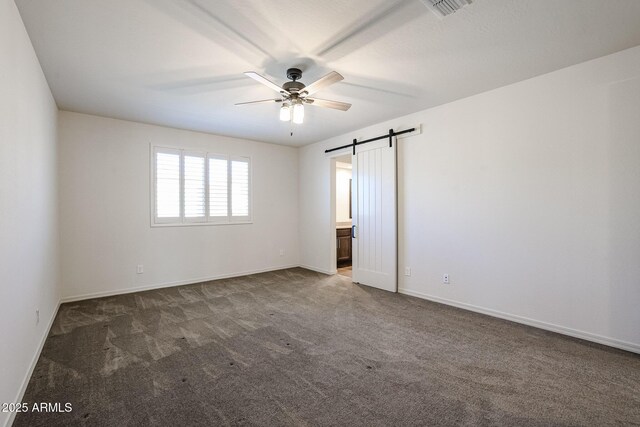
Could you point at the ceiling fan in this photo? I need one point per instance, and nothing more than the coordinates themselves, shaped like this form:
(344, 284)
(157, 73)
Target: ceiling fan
(294, 94)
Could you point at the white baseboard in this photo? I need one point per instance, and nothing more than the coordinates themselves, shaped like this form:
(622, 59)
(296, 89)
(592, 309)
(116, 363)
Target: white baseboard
(319, 270)
(171, 284)
(34, 362)
(612, 342)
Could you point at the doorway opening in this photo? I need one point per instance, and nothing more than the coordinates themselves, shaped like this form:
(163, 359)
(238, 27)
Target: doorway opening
(343, 214)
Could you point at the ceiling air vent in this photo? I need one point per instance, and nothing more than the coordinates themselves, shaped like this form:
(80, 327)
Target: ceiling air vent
(442, 8)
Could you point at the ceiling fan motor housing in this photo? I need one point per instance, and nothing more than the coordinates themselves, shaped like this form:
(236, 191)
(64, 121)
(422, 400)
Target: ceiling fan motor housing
(294, 74)
(293, 87)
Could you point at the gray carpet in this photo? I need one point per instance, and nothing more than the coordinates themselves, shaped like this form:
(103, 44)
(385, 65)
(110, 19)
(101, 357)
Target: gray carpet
(294, 347)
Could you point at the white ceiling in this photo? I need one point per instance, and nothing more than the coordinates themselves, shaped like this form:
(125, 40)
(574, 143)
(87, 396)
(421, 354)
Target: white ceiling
(179, 63)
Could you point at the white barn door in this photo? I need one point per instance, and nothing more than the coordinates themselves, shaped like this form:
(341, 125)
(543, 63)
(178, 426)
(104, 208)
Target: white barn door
(373, 204)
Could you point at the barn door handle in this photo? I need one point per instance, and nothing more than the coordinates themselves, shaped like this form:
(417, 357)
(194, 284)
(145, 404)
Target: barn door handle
(353, 231)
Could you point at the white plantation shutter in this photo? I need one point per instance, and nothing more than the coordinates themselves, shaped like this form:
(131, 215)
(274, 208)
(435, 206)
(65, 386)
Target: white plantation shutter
(167, 185)
(240, 186)
(218, 188)
(194, 187)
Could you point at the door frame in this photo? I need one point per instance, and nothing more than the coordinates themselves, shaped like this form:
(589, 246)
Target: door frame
(333, 249)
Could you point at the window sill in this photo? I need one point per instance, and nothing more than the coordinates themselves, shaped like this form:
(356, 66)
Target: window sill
(199, 224)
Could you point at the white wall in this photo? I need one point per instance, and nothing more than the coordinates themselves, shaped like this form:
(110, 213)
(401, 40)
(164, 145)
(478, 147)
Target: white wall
(343, 175)
(528, 196)
(105, 210)
(29, 278)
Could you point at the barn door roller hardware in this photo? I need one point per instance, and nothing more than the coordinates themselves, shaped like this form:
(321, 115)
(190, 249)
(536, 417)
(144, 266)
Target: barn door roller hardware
(355, 142)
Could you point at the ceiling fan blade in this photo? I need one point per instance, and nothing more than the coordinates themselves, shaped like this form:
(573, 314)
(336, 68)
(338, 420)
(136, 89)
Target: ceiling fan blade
(336, 105)
(268, 83)
(264, 101)
(323, 82)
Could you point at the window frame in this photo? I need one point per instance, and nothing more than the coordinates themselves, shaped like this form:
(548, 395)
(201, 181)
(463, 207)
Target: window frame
(182, 221)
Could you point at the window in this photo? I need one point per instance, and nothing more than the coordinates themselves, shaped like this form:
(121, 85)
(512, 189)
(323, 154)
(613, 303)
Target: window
(194, 180)
(196, 187)
(218, 187)
(239, 188)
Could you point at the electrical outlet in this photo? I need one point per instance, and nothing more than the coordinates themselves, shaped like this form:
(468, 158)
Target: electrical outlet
(407, 271)
(37, 316)
(140, 269)
(281, 252)
(445, 278)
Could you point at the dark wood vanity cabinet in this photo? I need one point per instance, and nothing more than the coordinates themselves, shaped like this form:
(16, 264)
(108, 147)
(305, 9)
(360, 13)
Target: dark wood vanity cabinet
(343, 245)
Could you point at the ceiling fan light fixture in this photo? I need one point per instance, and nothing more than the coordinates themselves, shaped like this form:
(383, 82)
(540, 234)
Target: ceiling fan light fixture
(298, 113)
(294, 94)
(285, 112)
